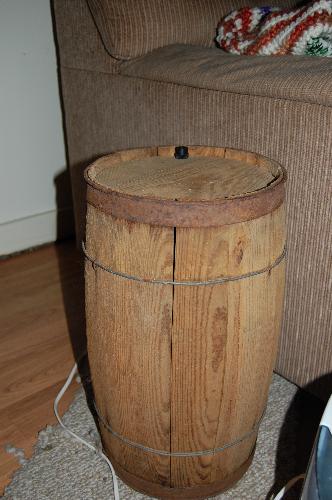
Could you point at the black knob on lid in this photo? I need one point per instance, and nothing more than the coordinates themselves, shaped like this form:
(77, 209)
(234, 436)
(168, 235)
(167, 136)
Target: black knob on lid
(181, 152)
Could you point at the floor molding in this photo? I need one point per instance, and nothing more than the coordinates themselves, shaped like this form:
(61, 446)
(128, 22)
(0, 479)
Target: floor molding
(34, 230)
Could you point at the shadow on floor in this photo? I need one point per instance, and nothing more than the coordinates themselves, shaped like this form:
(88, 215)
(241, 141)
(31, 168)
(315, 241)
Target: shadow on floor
(71, 265)
(71, 270)
(298, 433)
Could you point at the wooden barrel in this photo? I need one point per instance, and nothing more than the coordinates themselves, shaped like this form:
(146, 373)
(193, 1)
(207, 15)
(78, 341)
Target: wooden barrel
(184, 295)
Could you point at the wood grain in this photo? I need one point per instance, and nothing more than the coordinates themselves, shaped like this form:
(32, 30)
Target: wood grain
(198, 178)
(179, 368)
(36, 351)
(129, 334)
(212, 188)
(224, 342)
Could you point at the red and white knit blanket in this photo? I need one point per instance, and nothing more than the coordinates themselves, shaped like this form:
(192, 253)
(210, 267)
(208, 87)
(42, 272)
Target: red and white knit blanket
(272, 31)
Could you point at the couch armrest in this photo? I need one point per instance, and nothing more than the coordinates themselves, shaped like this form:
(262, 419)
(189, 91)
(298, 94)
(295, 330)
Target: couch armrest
(78, 41)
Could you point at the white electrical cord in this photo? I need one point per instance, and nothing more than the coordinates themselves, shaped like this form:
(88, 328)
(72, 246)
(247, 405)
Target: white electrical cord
(78, 438)
(287, 487)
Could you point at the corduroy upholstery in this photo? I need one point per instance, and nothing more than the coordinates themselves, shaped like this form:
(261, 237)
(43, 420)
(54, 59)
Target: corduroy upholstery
(131, 28)
(305, 79)
(281, 108)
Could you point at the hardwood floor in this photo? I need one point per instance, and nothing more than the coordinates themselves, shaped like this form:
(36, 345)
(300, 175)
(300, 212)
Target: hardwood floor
(41, 327)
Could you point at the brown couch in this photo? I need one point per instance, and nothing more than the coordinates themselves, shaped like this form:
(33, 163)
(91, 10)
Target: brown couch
(146, 72)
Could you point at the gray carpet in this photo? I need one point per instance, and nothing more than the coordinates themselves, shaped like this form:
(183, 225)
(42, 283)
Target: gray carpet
(62, 469)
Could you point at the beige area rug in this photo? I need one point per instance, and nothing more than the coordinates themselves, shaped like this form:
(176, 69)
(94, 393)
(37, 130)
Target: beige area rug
(62, 469)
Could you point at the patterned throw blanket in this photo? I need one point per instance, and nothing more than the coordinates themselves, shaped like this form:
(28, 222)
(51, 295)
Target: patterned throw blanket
(272, 31)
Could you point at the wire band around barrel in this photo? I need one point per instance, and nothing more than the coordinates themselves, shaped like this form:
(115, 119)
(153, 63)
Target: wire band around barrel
(198, 453)
(216, 281)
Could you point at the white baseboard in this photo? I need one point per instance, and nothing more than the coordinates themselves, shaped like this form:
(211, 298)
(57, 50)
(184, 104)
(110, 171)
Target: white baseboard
(37, 229)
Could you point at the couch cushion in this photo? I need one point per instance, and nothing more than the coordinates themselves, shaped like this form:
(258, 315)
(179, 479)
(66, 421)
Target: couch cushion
(306, 79)
(131, 28)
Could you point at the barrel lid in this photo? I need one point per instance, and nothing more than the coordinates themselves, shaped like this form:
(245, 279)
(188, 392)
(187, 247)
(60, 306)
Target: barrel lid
(210, 187)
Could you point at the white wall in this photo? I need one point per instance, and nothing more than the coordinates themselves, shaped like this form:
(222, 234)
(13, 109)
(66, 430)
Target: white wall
(32, 152)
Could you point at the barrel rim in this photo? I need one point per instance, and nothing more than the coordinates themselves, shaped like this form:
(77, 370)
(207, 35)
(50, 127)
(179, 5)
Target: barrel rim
(184, 213)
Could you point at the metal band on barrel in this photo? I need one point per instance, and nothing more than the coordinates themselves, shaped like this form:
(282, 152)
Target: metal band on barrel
(198, 453)
(216, 281)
